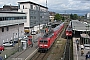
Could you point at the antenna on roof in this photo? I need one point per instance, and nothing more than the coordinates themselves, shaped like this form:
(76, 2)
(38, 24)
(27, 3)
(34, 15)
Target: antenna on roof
(46, 3)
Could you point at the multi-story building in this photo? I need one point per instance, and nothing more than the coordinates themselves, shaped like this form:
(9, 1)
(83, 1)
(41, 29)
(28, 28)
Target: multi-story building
(52, 15)
(88, 15)
(37, 15)
(11, 25)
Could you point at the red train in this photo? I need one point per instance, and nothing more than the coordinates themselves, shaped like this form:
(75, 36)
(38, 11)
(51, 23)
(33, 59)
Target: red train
(48, 39)
(69, 30)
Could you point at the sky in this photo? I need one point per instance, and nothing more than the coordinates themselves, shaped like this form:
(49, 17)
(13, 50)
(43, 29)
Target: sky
(59, 6)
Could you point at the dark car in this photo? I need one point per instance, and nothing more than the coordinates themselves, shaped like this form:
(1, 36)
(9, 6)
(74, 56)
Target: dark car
(14, 41)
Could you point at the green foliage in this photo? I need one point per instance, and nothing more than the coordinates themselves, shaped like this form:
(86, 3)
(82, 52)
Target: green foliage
(58, 17)
(74, 16)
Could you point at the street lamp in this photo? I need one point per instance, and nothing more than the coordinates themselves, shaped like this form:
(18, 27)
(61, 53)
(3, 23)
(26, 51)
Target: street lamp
(13, 37)
(18, 38)
(87, 26)
(74, 31)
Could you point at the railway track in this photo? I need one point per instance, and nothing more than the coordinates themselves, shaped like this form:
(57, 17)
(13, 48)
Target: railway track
(38, 56)
(45, 56)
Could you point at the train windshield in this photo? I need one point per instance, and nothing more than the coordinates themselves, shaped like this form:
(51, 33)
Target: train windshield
(44, 41)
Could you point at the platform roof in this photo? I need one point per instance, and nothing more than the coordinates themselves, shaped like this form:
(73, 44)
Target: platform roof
(80, 26)
(84, 35)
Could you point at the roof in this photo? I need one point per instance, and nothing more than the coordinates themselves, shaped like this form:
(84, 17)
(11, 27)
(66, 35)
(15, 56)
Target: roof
(80, 26)
(85, 35)
(32, 3)
(11, 12)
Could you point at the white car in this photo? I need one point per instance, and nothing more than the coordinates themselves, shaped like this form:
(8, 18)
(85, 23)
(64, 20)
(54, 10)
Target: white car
(8, 44)
(33, 32)
(87, 46)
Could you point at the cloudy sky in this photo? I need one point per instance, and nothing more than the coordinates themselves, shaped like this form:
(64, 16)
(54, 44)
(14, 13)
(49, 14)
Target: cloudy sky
(59, 6)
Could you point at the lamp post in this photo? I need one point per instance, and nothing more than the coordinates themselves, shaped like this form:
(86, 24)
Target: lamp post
(87, 26)
(39, 18)
(86, 37)
(18, 38)
(13, 37)
(87, 29)
(74, 31)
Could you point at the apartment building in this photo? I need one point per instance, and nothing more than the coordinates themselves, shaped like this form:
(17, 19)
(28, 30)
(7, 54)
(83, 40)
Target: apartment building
(52, 15)
(11, 23)
(37, 15)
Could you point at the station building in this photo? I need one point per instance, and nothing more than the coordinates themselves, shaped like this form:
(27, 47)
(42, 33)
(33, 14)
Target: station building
(11, 23)
(37, 15)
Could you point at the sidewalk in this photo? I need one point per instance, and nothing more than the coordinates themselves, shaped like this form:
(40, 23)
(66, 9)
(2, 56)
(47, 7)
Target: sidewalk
(24, 54)
(77, 54)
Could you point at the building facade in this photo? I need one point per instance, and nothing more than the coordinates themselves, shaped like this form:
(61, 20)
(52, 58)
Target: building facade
(52, 15)
(37, 15)
(11, 23)
(88, 15)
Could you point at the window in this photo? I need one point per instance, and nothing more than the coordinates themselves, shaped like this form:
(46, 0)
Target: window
(18, 5)
(44, 41)
(2, 29)
(31, 17)
(31, 6)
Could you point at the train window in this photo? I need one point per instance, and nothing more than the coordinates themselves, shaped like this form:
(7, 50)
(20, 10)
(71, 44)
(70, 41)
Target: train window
(45, 42)
(41, 41)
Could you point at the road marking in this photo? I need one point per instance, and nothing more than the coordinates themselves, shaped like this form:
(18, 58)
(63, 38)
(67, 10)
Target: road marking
(31, 54)
(76, 51)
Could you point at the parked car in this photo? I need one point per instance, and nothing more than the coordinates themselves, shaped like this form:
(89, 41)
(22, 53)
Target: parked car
(6, 44)
(14, 41)
(22, 37)
(87, 46)
(1, 48)
(33, 32)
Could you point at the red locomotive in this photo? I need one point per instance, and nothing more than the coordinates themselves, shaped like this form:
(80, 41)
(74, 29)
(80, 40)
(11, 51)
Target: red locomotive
(48, 39)
(69, 30)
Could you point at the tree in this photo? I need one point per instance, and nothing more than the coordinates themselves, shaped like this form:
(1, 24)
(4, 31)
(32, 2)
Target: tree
(58, 17)
(63, 18)
(74, 16)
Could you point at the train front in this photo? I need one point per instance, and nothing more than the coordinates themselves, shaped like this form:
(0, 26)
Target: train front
(43, 44)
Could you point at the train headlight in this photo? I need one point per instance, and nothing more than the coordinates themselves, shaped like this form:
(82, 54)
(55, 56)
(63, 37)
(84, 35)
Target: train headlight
(66, 34)
(45, 45)
(40, 45)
